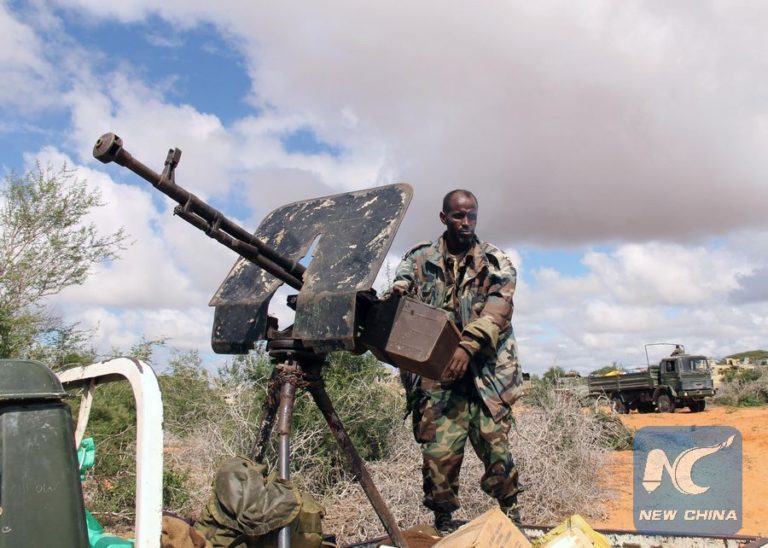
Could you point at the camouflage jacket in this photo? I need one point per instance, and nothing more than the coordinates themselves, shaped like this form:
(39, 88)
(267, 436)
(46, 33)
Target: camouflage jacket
(481, 308)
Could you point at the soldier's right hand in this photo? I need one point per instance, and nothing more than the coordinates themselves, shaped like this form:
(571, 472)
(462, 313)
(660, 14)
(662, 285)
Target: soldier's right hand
(457, 366)
(399, 289)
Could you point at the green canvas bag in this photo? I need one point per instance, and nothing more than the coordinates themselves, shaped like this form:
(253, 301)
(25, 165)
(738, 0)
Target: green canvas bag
(248, 507)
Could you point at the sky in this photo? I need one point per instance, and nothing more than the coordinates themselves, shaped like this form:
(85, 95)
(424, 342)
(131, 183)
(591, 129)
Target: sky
(617, 150)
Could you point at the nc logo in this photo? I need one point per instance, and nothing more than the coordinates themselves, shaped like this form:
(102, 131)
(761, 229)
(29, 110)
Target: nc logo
(680, 470)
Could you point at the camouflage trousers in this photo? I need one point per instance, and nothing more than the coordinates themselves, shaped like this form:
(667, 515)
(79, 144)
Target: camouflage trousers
(443, 418)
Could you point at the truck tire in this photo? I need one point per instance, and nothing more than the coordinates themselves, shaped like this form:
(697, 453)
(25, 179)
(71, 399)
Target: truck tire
(665, 404)
(645, 407)
(697, 406)
(619, 406)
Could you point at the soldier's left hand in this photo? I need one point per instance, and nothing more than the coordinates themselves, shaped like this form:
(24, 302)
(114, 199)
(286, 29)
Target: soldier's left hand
(457, 366)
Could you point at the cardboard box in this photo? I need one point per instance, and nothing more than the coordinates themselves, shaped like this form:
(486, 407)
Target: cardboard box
(490, 530)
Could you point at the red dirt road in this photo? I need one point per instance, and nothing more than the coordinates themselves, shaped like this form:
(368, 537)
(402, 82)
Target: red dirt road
(753, 425)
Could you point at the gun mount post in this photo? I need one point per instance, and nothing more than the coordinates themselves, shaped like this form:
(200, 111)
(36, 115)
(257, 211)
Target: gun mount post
(297, 368)
(267, 419)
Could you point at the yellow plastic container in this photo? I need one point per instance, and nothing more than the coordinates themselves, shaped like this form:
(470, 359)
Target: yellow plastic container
(573, 532)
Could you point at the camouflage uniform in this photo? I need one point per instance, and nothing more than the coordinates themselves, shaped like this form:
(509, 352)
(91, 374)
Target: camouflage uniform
(477, 295)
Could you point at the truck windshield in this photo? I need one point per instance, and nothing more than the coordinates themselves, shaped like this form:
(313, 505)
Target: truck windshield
(695, 364)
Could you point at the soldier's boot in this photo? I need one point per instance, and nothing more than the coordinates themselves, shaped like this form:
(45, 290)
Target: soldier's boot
(511, 509)
(443, 523)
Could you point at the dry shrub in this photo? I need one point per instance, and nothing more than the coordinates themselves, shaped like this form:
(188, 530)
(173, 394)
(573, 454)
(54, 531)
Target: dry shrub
(227, 430)
(748, 388)
(559, 447)
(228, 426)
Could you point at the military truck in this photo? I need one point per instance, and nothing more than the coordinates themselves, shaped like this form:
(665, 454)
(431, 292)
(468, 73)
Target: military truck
(680, 380)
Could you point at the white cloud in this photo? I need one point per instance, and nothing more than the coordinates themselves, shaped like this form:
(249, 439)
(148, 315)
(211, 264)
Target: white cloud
(638, 125)
(638, 294)
(667, 274)
(113, 329)
(573, 123)
(27, 76)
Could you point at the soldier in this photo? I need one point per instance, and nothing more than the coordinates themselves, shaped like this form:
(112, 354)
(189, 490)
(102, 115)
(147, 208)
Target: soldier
(473, 282)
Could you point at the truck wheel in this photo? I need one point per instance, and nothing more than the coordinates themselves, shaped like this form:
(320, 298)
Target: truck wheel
(697, 406)
(665, 404)
(645, 407)
(618, 406)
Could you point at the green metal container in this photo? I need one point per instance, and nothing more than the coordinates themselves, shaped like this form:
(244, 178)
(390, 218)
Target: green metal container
(41, 501)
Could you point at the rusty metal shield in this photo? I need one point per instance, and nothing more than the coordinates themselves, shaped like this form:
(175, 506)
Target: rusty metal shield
(355, 231)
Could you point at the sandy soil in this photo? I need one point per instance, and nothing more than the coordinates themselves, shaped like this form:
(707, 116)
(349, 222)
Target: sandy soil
(753, 425)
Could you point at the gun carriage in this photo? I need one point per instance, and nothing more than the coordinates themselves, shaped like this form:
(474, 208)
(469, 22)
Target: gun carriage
(336, 307)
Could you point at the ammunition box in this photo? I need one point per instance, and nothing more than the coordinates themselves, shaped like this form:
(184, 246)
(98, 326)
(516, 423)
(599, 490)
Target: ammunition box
(411, 335)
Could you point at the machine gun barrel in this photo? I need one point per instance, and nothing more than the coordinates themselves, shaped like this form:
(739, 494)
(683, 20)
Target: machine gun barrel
(109, 148)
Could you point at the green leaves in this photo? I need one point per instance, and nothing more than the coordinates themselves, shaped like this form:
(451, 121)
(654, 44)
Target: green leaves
(47, 242)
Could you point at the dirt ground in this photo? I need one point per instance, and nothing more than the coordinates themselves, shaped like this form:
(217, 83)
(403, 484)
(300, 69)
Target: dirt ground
(753, 425)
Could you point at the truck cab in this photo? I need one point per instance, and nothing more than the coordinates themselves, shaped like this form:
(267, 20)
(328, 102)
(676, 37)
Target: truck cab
(688, 379)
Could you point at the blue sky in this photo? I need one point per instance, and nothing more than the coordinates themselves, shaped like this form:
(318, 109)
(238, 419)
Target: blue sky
(197, 65)
(617, 153)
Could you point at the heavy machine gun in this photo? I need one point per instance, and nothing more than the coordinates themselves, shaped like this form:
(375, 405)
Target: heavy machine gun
(336, 308)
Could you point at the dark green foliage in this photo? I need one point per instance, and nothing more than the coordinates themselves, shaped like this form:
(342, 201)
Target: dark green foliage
(357, 386)
(175, 493)
(553, 373)
(46, 244)
(110, 488)
(729, 375)
(751, 400)
(363, 396)
(187, 393)
(62, 347)
(111, 485)
(17, 331)
(225, 411)
(748, 375)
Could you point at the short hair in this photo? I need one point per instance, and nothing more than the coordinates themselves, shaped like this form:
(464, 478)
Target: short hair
(452, 193)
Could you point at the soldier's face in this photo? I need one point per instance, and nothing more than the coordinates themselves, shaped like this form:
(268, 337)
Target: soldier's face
(460, 220)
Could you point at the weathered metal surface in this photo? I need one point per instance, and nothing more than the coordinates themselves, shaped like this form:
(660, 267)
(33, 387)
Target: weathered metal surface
(288, 373)
(267, 420)
(355, 232)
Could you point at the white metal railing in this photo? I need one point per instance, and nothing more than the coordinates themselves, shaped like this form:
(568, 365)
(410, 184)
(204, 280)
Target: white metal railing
(149, 434)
